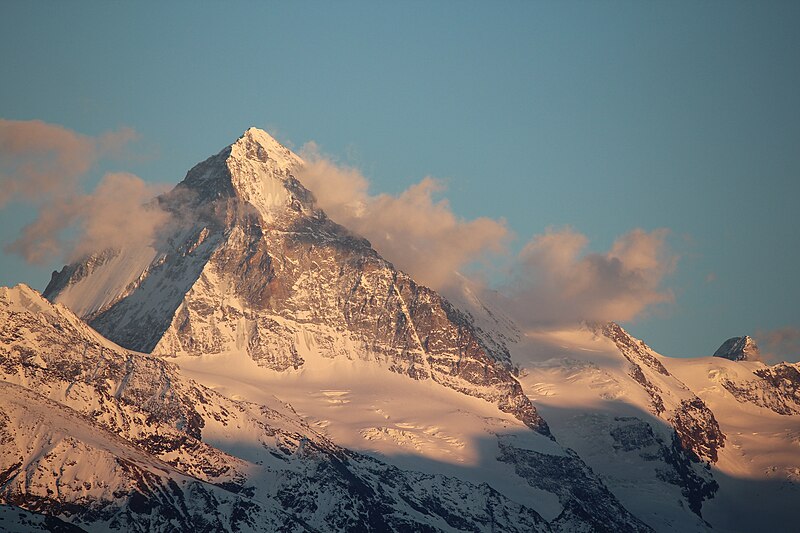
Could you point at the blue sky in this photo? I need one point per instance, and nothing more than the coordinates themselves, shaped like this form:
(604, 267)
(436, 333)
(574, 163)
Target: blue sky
(601, 116)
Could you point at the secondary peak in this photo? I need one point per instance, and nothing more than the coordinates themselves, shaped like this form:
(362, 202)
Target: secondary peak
(739, 349)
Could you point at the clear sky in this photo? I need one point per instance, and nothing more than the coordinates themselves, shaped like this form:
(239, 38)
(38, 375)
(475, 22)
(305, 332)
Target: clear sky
(601, 116)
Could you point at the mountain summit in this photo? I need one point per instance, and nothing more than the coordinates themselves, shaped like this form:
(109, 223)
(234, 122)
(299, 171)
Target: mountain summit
(257, 170)
(252, 265)
(739, 349)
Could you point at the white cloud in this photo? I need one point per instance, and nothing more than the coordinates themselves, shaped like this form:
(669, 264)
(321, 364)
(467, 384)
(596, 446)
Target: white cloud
(38, 159)
(780, 344)
(554, 280)
(557, 282)
(44, 164)
(419, 233)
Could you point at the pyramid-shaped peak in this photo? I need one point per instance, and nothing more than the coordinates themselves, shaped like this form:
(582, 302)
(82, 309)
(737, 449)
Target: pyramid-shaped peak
(257, 145)
(261, 172)
(739, 349)
(253, 135)
(255, 168)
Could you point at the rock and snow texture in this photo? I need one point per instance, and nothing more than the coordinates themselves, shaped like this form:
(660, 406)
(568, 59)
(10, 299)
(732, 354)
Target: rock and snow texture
(646, 435)
(758, 470)
(739, 349)
(295, 380)
(107, 439)
(679, 441)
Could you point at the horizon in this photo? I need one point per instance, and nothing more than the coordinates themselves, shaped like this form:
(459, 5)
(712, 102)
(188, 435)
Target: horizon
(624, 127)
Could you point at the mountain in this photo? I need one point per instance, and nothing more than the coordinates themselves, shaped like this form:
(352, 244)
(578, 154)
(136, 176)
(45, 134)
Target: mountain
(739, 349)
(260, 367)
(671, 437)
(253, 265)
(254, 277)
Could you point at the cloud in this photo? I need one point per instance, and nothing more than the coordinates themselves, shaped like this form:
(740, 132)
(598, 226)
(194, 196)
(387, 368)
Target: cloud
(556, 281)
(45, 165)
(781, 344)
(121, 204)
(39, 159)
(118, 210)
(419, 233)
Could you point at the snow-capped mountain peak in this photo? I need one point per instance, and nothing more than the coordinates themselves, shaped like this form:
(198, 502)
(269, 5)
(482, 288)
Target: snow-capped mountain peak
(257, 144)
(257, 170)
(739, 349)
(255, 268)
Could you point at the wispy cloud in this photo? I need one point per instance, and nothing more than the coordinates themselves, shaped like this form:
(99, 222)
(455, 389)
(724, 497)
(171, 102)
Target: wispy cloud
(415, 230)
(558, 282)
(45, 165)
(554, 279)
(781, 344)
(39, 159)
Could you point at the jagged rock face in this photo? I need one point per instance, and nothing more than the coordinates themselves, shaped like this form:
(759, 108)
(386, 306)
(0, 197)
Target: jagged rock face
(111, 440)
(18, 520)
(739, 349)
(695, 426)
(585, 499)
(775, 388)
(253, 265)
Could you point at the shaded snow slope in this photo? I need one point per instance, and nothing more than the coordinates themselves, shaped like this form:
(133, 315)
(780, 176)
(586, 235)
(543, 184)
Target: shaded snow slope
(757, 408)
(667, 435)
(109, 439)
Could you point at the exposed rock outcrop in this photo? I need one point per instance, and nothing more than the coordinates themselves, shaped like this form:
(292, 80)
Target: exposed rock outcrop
(739, 349)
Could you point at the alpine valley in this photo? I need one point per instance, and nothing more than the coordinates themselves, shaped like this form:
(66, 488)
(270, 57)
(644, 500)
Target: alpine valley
(259, 367)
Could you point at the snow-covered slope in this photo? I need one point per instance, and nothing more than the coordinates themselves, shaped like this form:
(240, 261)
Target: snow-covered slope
(109, 439)
(18, 520)
(758, 408)
(421, 426)
(667, 435)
